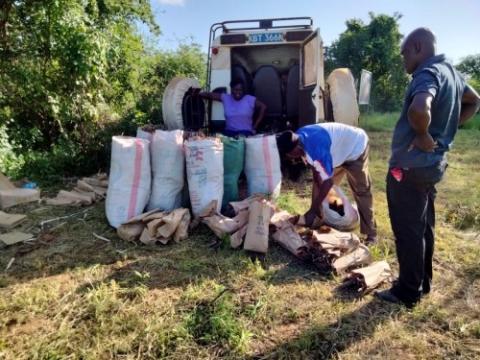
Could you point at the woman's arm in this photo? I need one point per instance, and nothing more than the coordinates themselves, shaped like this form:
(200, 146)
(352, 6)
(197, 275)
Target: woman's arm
(261, 107)
(211, 96)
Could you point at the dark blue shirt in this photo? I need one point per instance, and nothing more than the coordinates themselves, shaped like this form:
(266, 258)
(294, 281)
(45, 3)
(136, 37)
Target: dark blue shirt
(438, 78)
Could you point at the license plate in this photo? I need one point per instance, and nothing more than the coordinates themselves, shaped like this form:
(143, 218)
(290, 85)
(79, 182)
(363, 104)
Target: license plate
(265, 37)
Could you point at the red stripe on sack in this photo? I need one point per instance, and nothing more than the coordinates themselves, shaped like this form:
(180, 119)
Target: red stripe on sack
(268, 163)
(136, 178)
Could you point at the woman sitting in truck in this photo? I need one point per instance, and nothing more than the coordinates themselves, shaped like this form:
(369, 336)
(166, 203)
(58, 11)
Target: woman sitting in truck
(239, 110)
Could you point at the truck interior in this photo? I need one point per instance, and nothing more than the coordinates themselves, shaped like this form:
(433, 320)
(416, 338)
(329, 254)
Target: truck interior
(271, 74)
(269, 71)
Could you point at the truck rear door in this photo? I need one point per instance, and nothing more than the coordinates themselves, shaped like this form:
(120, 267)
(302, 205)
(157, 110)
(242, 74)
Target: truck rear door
(311, 107)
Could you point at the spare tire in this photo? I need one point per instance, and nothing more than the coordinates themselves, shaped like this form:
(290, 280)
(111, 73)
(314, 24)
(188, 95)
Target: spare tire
(173, 101)
(343, 96)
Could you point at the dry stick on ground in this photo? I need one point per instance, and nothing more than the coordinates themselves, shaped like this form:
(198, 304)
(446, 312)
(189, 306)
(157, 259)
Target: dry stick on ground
(101, 237)
(43, 223)
(9, 264)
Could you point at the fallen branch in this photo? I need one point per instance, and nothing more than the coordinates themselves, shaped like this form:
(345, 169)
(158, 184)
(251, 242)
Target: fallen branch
(9, 264)
(101, 237)
(43, 223)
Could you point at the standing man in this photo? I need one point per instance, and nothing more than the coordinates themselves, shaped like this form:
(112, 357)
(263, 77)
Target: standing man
(437, 101)
(333, 150)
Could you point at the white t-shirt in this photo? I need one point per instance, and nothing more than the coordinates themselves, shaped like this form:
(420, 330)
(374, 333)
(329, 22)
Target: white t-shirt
(348, 142)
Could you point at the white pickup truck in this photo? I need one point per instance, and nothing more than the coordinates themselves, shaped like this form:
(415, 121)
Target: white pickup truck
(281, 62)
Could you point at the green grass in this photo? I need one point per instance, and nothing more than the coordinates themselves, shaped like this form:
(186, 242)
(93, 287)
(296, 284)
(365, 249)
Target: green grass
(78, 297)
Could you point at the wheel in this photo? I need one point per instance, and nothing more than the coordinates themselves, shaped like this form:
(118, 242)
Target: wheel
(343, 96)
(172, 102)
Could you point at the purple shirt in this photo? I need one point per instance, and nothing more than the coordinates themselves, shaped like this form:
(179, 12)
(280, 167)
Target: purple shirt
(238, 113)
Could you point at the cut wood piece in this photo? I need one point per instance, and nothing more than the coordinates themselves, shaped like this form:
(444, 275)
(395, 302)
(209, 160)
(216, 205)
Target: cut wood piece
(61, 201)
(91, 181)
(146, 238)
(5, 183)
(83, 186)
(360, 256)
(242, 218)
(317, 222)
(9, 198)
(372, 276)
(130, 232)
(153, 226)
(100, 191)
(155, 216)
(84, 199)
(91, 195)
(143, 216)
(245, 204)
(15, 237)
(222, 225)
(337, 240)
(182, 230)
(95, 182)
(280, 217)
(289, 239)
(260, 213)
(335, 253)
(170, 224)
(163, 241)
(236, 239)
(8, 221)
(101, 176)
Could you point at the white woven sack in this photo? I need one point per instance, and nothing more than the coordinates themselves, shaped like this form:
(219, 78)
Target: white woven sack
(262, 166)
(348, 221)
(129, 180)
(168, 170)
(204, 159)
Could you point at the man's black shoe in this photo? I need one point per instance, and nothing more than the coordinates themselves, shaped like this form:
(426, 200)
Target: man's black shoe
(389, 296)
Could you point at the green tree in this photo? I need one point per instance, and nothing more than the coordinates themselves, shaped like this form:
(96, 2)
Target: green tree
(62, 61)
(375, 47)
(72, 74)
(470, 67)
(160, 67)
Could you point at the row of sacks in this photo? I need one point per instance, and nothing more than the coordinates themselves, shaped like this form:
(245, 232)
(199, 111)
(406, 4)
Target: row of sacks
(148, 172)
(257, 220)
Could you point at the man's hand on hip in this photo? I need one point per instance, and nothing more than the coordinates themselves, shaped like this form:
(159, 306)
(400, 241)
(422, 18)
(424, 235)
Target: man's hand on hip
(423, 142)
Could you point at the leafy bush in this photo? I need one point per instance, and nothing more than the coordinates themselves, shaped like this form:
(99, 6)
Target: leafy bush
(72, 74)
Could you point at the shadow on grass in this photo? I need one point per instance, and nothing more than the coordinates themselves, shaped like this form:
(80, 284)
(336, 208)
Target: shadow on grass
(194, 261)
(74, 247)
(327, 341)
(70, 244)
